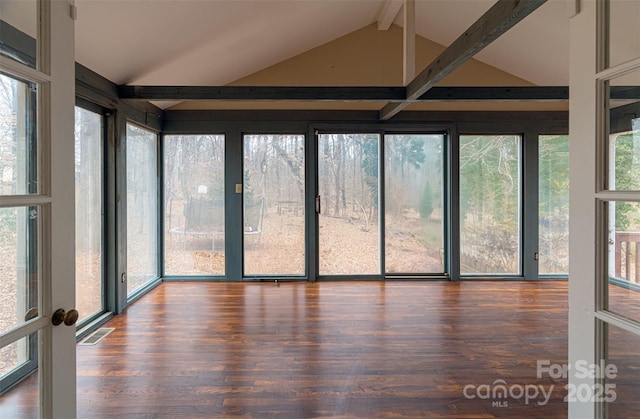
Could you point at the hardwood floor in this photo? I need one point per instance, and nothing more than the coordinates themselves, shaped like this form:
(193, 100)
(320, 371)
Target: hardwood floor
(330, 349)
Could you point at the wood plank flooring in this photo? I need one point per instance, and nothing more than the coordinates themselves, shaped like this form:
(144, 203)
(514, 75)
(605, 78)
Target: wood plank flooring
(329, 349)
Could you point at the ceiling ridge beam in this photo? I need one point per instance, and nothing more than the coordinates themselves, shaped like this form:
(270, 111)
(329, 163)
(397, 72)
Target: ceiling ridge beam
(358, 94)
(387, 14)
(501, 17)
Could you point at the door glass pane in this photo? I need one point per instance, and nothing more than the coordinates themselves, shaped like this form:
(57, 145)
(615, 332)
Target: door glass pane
(18, 158)
(624, 137)
(624, 259)
(624, 154)
(142, 207)
(19, 396)
(349, 241)
(16, 360)
(19, 266)
(624, 31)
(490, 204)
(88, 169)
(19, 30)
(553, 203)
(194, 204)
(414, 224)
(621, 374)
(12, 356)
(273, 204)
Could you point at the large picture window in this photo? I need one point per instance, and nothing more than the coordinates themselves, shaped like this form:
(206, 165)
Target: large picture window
(490, 204)
(553, 203)
(142, 207)
(194, 205)
(273, 204)
(89, 208)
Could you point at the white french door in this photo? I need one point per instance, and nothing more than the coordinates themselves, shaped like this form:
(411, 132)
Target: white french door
(37, 204)
(604, 264)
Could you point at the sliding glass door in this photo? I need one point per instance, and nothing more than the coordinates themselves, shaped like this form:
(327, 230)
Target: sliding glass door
(348, 204)
(414, 203)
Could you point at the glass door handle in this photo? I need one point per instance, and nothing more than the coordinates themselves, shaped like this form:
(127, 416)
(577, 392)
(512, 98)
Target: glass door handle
(69, 318)
(318, 202)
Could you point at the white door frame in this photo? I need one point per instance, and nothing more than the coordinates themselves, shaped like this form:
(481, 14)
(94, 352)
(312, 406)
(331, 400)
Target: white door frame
(582, 213)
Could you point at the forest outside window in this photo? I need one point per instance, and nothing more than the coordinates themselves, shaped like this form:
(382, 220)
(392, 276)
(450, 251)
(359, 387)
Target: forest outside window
(553, 203)
(490, 204)
(414, 203)
(348, 182)
(194, 205)
(273, 204)
(89, 130)
(142, 207)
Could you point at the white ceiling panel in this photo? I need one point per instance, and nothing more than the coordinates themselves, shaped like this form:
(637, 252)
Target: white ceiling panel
(189, 42)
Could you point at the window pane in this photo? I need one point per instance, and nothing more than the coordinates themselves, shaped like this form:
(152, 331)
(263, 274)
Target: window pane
(142, 207)
(553, 203)
(19, 30)
(194, 204)
(624, 32)
(490, 204)
(273, 202)
(18, 158)
(414, 229)
(624, 259)
(19, 266)
(349, 241)
(88, 159)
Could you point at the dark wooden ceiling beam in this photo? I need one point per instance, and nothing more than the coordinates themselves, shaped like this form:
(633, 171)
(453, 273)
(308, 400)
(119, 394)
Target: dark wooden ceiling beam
(343, 94)
(501, 17)
(495, 94)
(624, 92)
(361, 94)
(262, 93)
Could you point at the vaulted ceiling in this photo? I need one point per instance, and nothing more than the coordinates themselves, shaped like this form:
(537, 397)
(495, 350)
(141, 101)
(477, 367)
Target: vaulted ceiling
(216, 42)
(301, 42)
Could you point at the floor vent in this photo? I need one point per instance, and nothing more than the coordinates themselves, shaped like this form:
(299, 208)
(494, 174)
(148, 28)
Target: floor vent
(97, 336)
